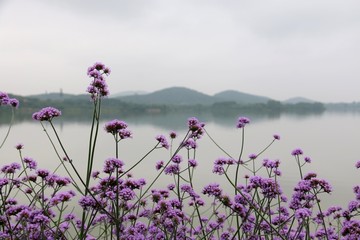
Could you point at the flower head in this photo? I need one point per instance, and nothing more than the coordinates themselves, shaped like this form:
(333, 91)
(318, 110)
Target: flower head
(173, 134)
(297, 152)
(46, 114)
(98, 86)
(276, 137)
(196, 127)
(19, 146)
(242, 121)
(6, 100)
(357, 164)
(162, 140)
(114, 126)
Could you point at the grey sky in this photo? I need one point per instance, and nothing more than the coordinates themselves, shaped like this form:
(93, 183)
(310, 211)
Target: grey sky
(275, 48)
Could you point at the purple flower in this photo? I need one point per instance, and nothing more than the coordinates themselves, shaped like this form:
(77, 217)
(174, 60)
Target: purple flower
(3, 182)
(190, 144)
(124, 133)
(357, 164)
(172, 134)
(297, 152)
(351, 229)
(276, 137)
(162, 140)
(98, 86)
(212, 190)
(6, 100)
(252, 156)
(196, 127)
(61, 197)
(307, 159)
(127, 194)
(159, 165)
(30, 163)
(172, 169)
(99, 66)
(95, 174)
(43, 173)
(242, 121)
(14, 102)
(176, 159)
(10, 168)
(271, 163)
(192, 163)
(19, 146)
(353, 206)
(114, 126)
(112, 164)
(302, 213)
(87, 202)
(269, 187)
(46, 114)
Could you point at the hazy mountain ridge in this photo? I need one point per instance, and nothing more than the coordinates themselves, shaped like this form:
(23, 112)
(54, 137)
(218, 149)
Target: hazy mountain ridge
(171, 96)
(176, 96)
(57, 96)
(187, 96)
(240, 97)
(295, 100)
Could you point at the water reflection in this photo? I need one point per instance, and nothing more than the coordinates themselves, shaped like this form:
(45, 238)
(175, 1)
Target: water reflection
(333, 149)
(168, 121)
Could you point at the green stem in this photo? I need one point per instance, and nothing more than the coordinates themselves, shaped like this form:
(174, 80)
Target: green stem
(9, 129)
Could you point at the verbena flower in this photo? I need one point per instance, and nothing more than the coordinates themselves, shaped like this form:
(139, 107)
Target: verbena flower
(46, 114)
(192, 163)
(163, 142)
(357, 164)
(19, 146)
(297, 152)
(196, 127)
(242, 122)
(112, 164)
(172, 134)
(212, 190)
(30, 163)
(98, 86)
(6, 100)
(114, 126)
(176, 159)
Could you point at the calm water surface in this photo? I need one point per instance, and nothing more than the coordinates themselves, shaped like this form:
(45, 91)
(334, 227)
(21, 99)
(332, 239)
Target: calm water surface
(332, 140)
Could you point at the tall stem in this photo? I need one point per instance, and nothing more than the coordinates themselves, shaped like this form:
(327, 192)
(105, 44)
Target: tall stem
(9, 129)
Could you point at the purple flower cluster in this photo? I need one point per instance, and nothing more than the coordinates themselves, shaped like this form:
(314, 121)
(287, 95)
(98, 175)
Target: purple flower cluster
(163, 142)
(113, 165)
(307, 190)
(267, 186)
(220, 163)
(46, 114)
(118, 127)
(98, 86)
(6, 100)
(242, 122)
(196, 127)
(297, 152)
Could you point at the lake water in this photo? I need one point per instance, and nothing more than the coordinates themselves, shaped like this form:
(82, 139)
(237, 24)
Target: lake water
(332, 140)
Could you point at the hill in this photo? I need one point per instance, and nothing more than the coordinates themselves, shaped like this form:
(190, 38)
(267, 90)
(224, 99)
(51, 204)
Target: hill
(127, 93)
(171, 96)
(239, 97)
(295, 100)
(56, 96)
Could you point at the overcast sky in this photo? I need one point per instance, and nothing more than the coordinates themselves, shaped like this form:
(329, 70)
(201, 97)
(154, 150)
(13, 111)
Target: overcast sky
(275, 48)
